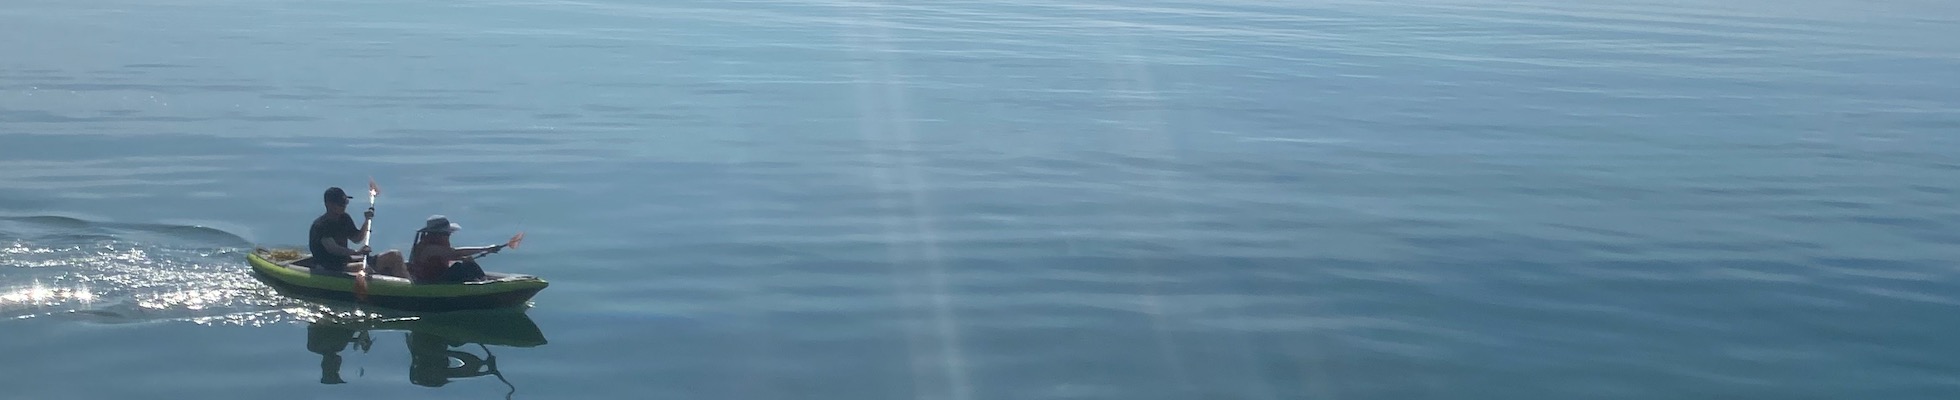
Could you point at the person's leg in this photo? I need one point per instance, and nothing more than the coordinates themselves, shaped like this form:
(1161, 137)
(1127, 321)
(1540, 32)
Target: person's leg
(474, 271)
(391, 263)
(462, 271)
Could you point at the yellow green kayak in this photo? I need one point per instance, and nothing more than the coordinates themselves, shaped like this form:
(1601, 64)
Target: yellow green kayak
(497, 290)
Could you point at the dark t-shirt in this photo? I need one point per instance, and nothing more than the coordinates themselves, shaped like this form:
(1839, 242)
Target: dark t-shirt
(339, 228)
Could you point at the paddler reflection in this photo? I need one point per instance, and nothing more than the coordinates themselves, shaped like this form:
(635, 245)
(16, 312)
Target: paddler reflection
(438, 345)
(327, 340)
(429, 361)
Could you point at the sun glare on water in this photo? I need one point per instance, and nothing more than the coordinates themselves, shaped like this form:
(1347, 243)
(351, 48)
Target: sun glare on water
(40, 295)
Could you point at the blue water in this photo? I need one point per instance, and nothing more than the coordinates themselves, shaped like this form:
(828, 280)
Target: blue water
(1157, 199)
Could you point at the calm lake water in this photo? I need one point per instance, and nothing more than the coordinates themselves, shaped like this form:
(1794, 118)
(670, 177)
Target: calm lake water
(961, 200)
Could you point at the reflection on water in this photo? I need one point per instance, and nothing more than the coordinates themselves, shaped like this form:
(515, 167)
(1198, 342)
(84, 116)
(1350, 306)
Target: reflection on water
(327, 340)
(438, 344)
(429, 364)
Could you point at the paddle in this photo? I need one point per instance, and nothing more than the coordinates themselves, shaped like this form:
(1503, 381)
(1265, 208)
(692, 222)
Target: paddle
(514, 240)
(492, 363)
(367, 232)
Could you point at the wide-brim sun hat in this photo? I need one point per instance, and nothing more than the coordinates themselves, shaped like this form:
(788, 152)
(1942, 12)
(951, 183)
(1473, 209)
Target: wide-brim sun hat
(440, 224)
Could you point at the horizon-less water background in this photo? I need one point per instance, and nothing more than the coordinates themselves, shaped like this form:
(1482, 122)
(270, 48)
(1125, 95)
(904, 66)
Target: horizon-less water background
(1156, 199)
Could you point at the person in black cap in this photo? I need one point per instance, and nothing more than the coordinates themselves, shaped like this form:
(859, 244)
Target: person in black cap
(327, 240)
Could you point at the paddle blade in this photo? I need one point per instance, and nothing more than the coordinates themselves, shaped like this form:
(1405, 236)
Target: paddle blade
(360, 286)
(373, 189)
(514, 240)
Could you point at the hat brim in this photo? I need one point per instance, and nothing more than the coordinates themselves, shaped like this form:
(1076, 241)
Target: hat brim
(452, 228)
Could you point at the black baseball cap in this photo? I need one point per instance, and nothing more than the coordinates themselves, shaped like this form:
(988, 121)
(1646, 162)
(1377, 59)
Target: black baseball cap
(336, 196)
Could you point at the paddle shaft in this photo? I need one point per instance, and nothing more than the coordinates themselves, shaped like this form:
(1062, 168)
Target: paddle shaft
(367, 226)
(486, 252)
(367, 229)
(367, 233)
(514, 241)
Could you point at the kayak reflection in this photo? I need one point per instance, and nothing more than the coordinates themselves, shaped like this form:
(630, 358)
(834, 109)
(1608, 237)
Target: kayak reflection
(438, 344)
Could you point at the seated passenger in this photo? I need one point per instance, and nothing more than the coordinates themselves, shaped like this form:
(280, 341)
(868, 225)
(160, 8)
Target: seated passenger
(433, 260)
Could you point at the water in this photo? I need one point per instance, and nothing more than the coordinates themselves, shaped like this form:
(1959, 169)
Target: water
(1162, 199)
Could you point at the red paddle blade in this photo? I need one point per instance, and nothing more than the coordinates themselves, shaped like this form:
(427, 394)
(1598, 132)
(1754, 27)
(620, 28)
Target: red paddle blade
(514, 240)
(373, 189)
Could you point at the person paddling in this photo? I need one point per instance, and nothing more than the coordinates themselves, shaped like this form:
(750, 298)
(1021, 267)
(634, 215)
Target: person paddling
(434, 260)
(328, 237)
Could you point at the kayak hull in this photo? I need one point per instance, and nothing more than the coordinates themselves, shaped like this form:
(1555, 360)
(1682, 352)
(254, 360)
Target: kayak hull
(499, 291)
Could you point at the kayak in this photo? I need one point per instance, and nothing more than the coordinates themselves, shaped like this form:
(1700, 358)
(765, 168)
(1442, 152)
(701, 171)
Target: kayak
(496, 290)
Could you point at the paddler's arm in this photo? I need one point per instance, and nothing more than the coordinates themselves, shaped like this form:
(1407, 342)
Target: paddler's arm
(336, 248)
(487, 249)
(449, 253)
(465, 252)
